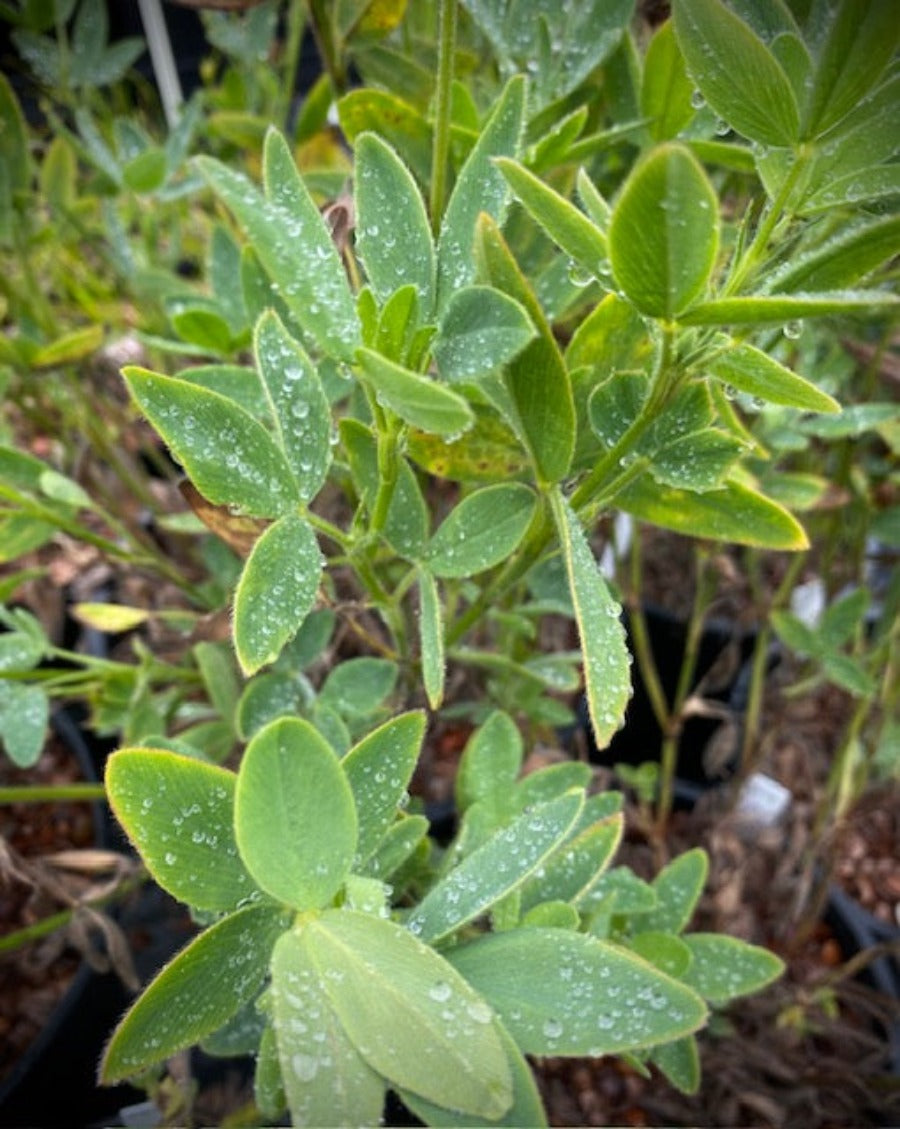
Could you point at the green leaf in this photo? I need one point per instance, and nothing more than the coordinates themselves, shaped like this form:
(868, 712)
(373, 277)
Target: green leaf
(482, 531)
(698, 461)
(859, 187)
(665, 88)
(606, 659)
(843, 259)
(179, 814)
(294, 816)
(24, 716)
(571, 872)
(299, 406)
(393, 237)
(357, 687)
(267, 697)
(794, 633)
(326, 1080)
(417, 399)
(410, 1015)
(861, 39)
(400, 841)
(228, 455)
(496, 868)
(536, 381)
(849, 673)
(679, 1061)
(678, 887)
(198, 991)
(736, 73)
(14, 154)
(724, 967)
(406, 528)
(294, 245)
(664, 951)
(490, 764)
(664, 232)
(216, 665)
(844, 618)
(431, 638)
(561, 46)
(393, 119)
(378, 770)
(526, 1109)
(206, 329)
(235, 382)
(481, 330)
(276, 590)
(147, 171)
(568, 227)
(730, 513)
(622, 1004)
(773, 308)
(750, 370)
(480, 187)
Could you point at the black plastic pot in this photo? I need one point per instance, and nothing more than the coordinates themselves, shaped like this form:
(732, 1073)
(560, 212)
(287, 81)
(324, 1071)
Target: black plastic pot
(857, 930)
(54, 1083)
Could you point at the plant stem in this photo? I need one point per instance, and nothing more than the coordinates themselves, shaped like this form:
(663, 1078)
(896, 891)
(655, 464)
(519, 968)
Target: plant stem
(293, 43)
(51, 793)
(441, 147)
(775, 213)
(756, 689)
(323, 32)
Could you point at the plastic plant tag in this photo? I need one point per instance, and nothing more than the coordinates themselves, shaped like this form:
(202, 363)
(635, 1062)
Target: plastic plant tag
(179, 814)
(294, 816)
(378, 770)
(496, 868)
(624, 1003)
(326, 1080)
(410, 1015)
(229, 455)
(606, 659)
(198, 991)
(276, 591)
(482, 531)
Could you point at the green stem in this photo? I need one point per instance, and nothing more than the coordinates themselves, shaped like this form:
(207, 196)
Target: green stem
(773, 216)
(441, 148)
(50, 794)
(323, 32)
(758, 670)
(293, 43)
(663, 384)
(702, 594)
